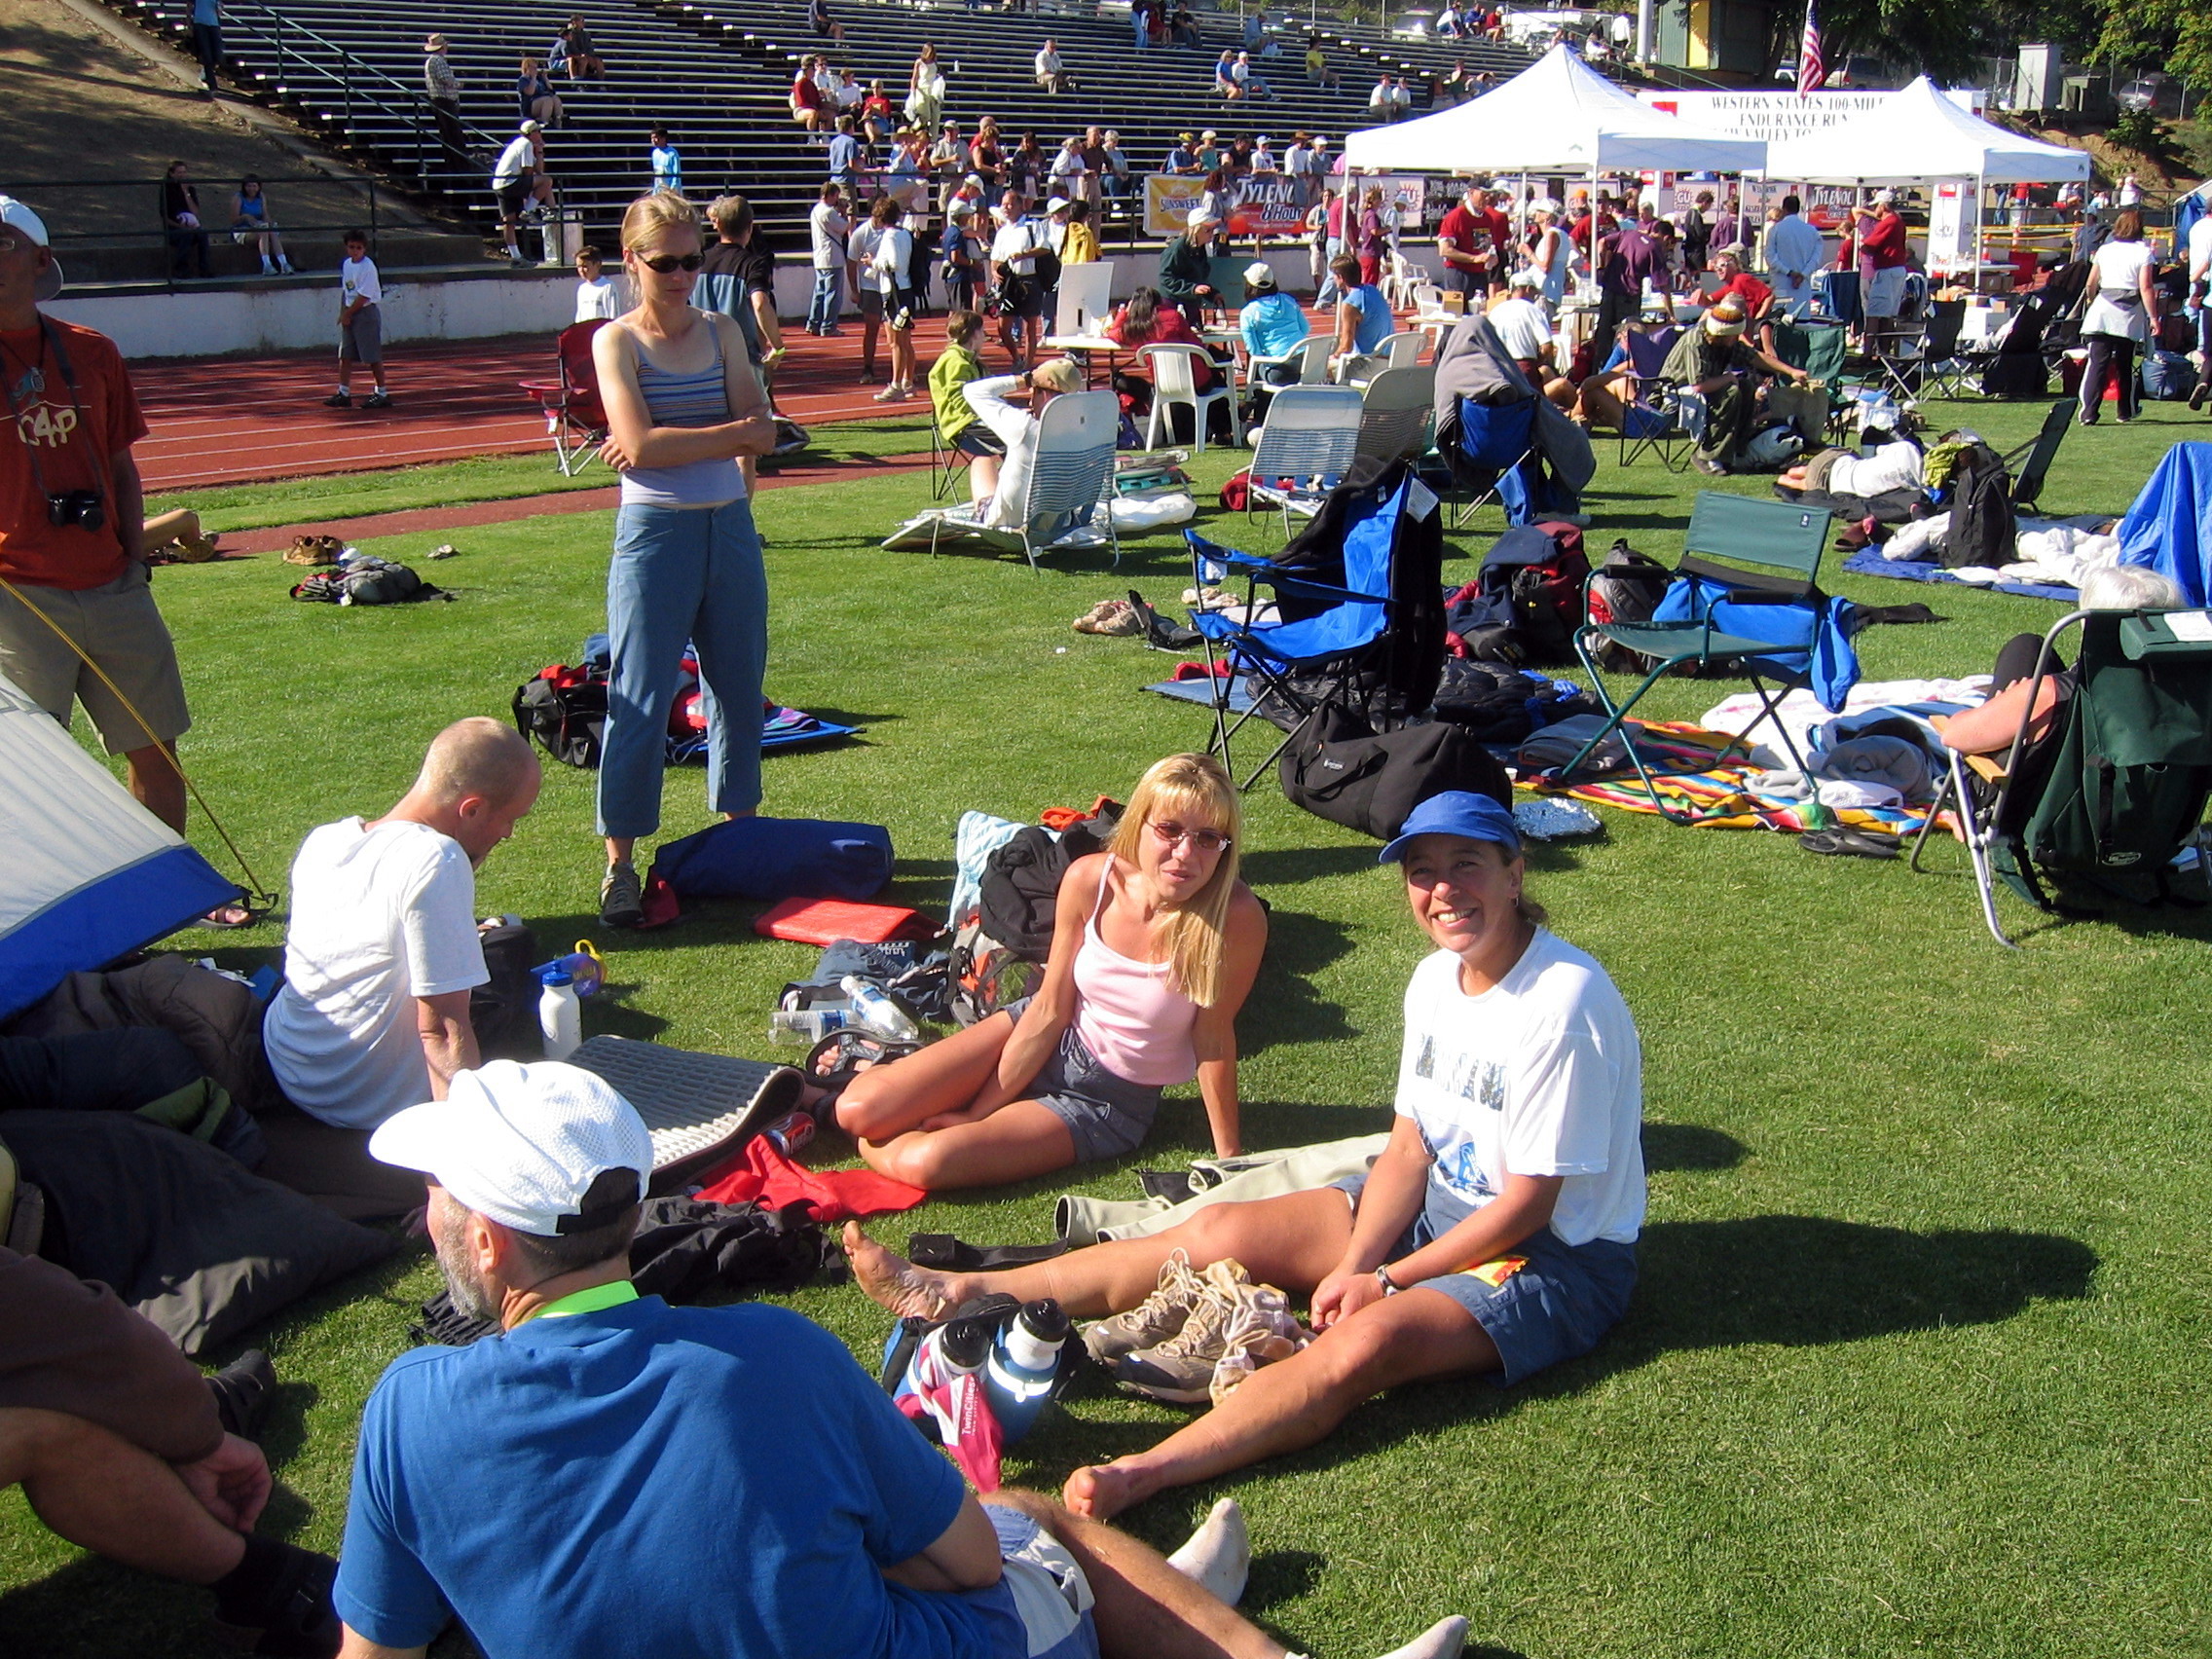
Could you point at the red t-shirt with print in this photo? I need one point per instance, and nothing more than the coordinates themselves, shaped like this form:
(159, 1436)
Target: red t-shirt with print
(75, 435)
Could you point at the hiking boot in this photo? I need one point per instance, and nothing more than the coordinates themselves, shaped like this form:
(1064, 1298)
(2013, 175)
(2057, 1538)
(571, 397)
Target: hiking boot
(621, 899)
(242, 1390)
(1180, 1370)
(290, 1615)
(1151, 1321)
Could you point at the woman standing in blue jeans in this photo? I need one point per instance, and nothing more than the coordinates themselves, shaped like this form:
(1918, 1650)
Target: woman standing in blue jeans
(681, 404)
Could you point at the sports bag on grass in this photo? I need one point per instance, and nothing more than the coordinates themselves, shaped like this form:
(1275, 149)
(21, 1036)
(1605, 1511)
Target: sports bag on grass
(1339, 767)
(778, 858)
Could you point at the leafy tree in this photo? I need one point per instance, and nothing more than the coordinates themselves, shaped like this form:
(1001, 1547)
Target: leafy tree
(2173, 36)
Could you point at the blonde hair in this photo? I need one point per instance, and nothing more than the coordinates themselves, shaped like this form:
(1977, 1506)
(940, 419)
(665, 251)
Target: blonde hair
(646, 219)
(1061, 374)
(1196, 788)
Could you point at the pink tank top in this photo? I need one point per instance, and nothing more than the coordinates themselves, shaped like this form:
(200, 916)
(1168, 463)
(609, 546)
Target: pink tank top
(1130, 1014)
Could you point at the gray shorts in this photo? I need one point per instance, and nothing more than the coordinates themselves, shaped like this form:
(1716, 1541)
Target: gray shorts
(1107, 1116)
(870, 302)
(361, 337)
(120, 628)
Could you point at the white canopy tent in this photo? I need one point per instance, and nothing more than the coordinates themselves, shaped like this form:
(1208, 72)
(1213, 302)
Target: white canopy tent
(1914, 136)
(1558, 115)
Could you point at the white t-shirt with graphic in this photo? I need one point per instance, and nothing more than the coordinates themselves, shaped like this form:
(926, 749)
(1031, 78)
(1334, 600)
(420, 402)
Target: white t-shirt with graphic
(1542, 1075)
(358, 281)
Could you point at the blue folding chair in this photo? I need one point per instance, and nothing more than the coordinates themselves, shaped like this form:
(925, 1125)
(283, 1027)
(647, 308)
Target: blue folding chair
(1743, 599)
(1496, 459)
(1387, 613)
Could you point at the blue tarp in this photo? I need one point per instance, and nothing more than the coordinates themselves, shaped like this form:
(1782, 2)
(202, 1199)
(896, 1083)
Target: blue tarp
(2169, 528)
(1869, 562)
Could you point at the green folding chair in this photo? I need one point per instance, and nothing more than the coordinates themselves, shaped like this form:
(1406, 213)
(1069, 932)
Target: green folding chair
(1819, 349)
(1739, 551)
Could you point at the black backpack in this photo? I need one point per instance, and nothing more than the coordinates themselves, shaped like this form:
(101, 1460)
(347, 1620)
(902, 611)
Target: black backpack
(1627, 588)
(1022, 881)
(1526, 604)
(1339, 767)
(566, 710)
(503, 1010)
(1982, 527)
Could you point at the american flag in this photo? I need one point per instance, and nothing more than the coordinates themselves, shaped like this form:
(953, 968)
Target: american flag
(1811, 71)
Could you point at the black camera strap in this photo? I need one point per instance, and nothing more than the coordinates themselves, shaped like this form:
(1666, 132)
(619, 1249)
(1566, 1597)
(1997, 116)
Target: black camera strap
(34, 376)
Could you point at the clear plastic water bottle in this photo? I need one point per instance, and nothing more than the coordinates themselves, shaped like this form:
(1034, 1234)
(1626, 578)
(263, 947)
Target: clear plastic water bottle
(803, 1028)
(1024, 1361)
(877, 1011)
(560, 1015)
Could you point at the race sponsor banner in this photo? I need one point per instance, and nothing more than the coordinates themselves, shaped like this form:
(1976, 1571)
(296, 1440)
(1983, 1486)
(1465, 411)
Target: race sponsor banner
(1264, 205)
(1778, 115)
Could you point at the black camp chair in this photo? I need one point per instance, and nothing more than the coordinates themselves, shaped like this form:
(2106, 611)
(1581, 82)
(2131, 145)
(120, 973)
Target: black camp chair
(2113, 792)
(2030, 463)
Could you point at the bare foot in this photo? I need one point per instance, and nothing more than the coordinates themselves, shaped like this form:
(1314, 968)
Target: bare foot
(895, 1283)
(1102, 1490)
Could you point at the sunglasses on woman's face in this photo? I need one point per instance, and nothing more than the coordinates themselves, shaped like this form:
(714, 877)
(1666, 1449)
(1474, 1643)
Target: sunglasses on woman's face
(664, 263)
(1201, 840)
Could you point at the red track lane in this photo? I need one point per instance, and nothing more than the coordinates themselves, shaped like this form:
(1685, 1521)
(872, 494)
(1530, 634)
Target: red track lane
(230, 421)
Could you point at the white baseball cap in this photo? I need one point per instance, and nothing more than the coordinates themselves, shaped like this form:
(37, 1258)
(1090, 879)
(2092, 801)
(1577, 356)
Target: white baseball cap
(1258, 271)
(1198, 216)
(525, 1145)
(1055, 204)
(1524, 279)
(530, 126)
(17, 217)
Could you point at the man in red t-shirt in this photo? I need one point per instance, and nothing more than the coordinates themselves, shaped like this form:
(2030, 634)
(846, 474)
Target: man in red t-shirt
(1500, 230)
(1464, 242)
(73, 531)
(1883, 256)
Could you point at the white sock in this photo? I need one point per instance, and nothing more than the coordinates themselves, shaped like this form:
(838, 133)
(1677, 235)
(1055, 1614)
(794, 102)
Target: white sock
(1219, 1554)
(1441, 1641)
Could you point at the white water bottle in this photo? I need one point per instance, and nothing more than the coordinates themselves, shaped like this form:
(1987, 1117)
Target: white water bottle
(560, 1015)
(877, 1011)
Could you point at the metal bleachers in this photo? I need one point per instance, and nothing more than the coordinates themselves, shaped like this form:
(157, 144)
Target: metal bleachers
(718, 73)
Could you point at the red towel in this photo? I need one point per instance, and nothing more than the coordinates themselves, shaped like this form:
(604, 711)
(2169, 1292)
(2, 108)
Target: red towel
(829, 1195)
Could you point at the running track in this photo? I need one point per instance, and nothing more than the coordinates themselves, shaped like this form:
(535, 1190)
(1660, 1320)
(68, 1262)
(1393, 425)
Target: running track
(245, 421)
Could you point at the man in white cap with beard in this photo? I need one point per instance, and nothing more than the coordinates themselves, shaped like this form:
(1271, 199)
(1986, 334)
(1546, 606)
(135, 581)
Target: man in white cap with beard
(609, 1474)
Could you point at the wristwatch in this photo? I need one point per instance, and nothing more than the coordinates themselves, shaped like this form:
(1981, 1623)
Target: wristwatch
(1391, 1286)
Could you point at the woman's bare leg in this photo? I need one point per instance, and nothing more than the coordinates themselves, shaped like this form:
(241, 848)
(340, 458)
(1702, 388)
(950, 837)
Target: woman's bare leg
(1291, 1242)
(1021, 1139)
(889, 1100)
(1288, 1405)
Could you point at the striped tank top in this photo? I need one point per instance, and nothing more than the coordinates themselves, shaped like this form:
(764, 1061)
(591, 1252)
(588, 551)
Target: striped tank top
(698, 399)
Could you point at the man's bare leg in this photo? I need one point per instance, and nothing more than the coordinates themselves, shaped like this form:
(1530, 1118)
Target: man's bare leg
(1290, 1404)
(158, 782)
(1290, 1243)
(1144, 1607)
(104, 1495)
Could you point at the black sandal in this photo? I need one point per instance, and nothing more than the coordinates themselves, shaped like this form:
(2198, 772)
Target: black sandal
(1851, 843)
(850, 1053)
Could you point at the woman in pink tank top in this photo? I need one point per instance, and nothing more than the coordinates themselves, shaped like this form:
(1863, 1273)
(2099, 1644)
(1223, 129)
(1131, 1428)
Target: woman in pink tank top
(1155, 943)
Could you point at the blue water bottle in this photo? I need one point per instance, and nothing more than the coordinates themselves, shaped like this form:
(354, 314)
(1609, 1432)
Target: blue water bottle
(1024, 1365)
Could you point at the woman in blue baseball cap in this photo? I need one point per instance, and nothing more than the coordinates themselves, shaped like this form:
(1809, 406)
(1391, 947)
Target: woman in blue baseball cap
(1494, 1235)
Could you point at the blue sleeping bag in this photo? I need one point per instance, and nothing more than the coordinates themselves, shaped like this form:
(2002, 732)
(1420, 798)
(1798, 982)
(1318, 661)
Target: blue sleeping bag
(779, 858)
(2169, 528)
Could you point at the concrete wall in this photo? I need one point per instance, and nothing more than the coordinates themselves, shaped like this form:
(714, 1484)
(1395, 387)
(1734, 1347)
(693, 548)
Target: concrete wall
(222, 319)
(215, 322)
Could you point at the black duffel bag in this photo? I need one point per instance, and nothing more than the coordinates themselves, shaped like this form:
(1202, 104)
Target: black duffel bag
(1339, 767)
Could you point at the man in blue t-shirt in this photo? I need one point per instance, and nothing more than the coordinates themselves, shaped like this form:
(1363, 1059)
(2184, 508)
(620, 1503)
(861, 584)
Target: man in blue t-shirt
(613, 1475)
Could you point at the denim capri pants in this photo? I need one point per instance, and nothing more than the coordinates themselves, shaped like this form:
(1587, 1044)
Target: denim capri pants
(683, 575)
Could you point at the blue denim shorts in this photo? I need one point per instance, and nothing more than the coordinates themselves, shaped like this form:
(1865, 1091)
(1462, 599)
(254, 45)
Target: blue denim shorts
(1541, 1303)
(1107, 1115)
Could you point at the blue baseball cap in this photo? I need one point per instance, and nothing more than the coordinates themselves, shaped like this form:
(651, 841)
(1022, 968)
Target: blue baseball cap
(1457, 812)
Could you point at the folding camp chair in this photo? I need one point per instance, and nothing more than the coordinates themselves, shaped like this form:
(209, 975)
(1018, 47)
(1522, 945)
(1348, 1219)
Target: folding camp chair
(574, 417)
(1372, 640)
(1942, 370)
(2116, 787)
(1758, 613)
(1895, 352)
(946, 463)
(1305, 449)
(1820, 346)
(1394, 416)
(2030, 463)
(1070, 484)
(1654, 415)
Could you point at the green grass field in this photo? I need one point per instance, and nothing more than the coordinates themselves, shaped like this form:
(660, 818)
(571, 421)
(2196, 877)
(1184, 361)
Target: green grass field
(1908, 1368)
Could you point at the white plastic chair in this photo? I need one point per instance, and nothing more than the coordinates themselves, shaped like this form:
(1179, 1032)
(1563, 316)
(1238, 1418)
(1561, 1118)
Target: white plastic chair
(1399, 280)
(1086, 298)
(1310, 436)
(1314, 360)
(1071, 481)
(1173, 366)
(1394, 414)
(1401, 350)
